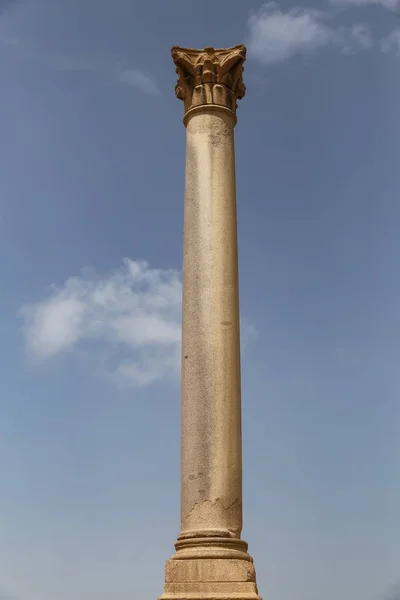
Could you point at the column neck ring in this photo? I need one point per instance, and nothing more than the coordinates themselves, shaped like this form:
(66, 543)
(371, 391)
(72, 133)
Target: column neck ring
(208, 108)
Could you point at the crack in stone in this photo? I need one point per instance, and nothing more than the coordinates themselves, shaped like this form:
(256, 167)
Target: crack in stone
(213, 502)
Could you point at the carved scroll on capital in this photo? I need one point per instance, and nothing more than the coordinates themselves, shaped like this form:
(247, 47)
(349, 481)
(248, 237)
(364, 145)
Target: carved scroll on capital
(210, 76)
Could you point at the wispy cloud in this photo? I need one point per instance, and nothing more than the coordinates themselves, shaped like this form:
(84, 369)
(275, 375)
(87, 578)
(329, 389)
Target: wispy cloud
(127, 76)
(360, 36)
(135, 311)
(276, 35)
(131, 77)
(248, 333)
(135, 78)
(391, 43)
(388, 4)
(9, 40)
(393, 593)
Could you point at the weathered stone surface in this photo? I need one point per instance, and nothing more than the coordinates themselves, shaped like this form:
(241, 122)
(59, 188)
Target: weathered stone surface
(210, 76)
(211, 560)
(209, 570)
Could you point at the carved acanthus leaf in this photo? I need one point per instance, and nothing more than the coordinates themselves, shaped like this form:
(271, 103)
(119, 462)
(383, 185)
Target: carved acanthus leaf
(210, 76)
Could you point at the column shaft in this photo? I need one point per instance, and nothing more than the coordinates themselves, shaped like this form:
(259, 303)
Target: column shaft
(211, 467)
(211, 560)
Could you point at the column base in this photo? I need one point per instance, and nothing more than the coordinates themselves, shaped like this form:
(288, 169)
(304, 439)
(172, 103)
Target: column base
(210, 568)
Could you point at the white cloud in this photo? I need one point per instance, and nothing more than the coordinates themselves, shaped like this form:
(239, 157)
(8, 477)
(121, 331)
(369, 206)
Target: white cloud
(134, 308)
(389, 4)
(362, 36)
(135, 78)
(276, 35)
(135, 311)
(357, 37)
(55, 324)
(391, 43)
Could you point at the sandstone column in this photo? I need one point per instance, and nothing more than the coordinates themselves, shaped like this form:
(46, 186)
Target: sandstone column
(211, 561)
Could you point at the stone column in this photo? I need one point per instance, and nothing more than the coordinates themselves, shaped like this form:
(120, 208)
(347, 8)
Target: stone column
(211, 561)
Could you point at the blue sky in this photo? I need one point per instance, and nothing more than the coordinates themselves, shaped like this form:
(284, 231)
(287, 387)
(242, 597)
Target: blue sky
(91, 212)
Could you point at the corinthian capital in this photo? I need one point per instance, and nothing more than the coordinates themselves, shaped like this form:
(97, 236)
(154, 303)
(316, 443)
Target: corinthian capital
(210, 76)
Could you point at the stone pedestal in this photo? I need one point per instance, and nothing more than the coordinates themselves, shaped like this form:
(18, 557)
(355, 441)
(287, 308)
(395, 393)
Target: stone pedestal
(211, 560)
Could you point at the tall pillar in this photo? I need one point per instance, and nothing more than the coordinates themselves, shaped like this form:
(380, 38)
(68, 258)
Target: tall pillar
(211, 560)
